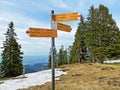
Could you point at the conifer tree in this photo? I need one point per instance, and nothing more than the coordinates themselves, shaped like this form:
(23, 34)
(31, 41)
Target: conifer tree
(93, 35)
(69, 55)
(11, 54)
(50, 58)
(101, 34)
(65, 56)
(61, 55)
(109, 32)
(49, 61)
(79, 49)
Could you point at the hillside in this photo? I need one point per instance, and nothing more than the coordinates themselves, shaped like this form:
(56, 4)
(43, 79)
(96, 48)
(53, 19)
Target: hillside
(86, 77)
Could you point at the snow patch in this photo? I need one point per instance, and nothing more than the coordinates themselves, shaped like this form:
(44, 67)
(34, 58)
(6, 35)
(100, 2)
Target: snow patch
(112, 61)
(32, 79)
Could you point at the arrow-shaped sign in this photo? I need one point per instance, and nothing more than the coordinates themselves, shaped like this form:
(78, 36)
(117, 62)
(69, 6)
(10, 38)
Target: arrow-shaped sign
(63, 27)
(41, 32)
(66, 17)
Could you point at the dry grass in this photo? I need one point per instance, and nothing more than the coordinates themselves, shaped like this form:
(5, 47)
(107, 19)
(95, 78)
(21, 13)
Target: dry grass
(86, 77)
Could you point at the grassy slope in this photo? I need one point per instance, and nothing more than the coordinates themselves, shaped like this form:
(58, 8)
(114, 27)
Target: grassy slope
(86, 77)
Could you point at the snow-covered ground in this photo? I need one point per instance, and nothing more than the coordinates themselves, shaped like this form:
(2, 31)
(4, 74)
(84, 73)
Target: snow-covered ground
(32, 79)
(112, 61)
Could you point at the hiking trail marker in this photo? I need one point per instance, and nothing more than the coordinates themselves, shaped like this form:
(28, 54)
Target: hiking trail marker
(66, 17)
(55, 25)
(41, 32)
(63, 27)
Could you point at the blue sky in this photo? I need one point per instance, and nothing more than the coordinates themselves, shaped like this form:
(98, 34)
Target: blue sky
(36, 13)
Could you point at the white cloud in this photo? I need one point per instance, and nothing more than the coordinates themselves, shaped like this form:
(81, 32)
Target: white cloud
(66, 38)
(3, 3)
(62, 4)
(21, 20)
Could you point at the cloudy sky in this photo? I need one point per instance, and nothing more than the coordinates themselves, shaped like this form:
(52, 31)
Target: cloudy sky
(36, 13)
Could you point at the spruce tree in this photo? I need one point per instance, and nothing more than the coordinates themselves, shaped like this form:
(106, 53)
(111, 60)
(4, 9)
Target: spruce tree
(108, 32)
(68, 54)
(50, 59)
(79, 49)
(102, 34)
(92, 35)
(61, 55)
(11, 54)
(65, 56)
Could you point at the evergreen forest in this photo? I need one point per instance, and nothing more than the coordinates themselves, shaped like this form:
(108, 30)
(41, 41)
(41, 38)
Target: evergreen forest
(97, 39)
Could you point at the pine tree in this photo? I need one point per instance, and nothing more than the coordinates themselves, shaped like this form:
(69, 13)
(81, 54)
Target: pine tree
(92, 35)
(108, 32)
(117, 45)
(50, 58)
(61, 55)
(11, 54)
(79, 49)
(69, 55)
(102, 34)
(49, 61)
(65, 56)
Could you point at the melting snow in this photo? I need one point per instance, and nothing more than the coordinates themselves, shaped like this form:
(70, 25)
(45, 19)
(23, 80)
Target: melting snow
(32, 79)
(112, 61)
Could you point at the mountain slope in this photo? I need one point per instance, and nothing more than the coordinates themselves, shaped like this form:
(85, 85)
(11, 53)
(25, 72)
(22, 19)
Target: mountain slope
(90, 76)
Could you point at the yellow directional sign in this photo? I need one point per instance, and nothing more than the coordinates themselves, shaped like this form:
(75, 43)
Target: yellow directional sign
(40, 32)
(65, 17)
(63, 27)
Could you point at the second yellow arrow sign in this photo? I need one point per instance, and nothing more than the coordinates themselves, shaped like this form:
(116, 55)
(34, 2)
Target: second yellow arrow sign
(41, 32)
(63, 27)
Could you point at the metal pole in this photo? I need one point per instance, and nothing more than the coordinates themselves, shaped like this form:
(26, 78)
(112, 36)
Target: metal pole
(53, 53)
(23, 70)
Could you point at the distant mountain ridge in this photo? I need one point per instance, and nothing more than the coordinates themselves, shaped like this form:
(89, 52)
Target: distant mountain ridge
(35, 68)
(33, 63)
(30, 60)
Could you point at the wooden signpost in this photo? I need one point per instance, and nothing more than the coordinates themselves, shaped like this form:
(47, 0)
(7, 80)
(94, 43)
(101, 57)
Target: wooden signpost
(63, 27)
(41, 32)
(66, 17)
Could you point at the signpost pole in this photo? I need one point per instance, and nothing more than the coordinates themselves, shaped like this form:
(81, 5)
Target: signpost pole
(40, 32)
(53, 54)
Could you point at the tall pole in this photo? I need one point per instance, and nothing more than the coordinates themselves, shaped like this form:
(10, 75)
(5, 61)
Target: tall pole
(23, 70)
(53, 53)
